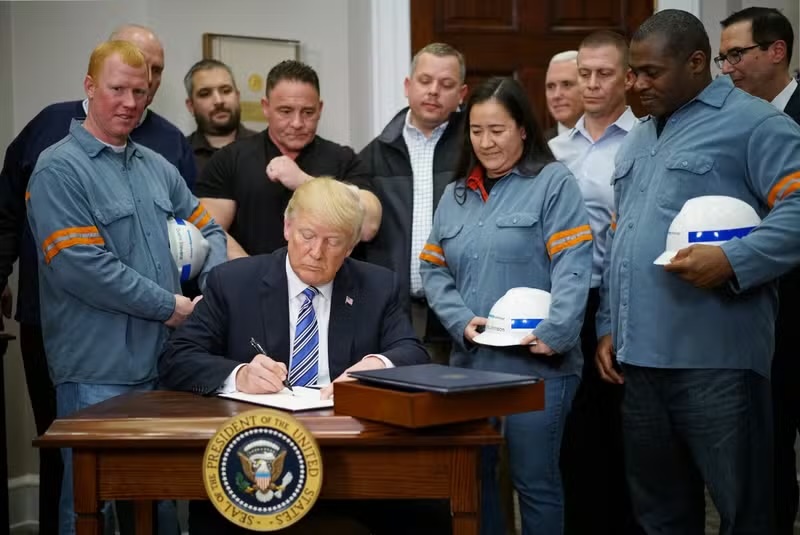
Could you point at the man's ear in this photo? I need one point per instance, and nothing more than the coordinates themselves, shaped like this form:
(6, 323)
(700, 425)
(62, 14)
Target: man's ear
(630, 79)
(89, 86)
(777, 51)
(265, 108)
(190, 106)
(698, 62)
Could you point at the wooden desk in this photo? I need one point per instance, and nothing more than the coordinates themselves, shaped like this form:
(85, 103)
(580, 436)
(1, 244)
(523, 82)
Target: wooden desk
(149, 445)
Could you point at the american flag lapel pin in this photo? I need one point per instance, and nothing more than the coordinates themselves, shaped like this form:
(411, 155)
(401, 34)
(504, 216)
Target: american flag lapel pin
(348, 300)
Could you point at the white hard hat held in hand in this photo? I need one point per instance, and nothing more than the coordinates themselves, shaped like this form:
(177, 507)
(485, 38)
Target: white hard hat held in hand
(514, 316)
(708, 220)
(188, 246)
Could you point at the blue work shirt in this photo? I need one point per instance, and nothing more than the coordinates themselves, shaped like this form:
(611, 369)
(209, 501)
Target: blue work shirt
(107, 277)
(722, 142)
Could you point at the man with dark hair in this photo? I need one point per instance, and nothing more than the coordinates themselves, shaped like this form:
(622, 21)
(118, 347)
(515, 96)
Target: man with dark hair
(755, 50)
(247, 185)
(213, 100)
(595, 494)
(694, 338)
(16, 240)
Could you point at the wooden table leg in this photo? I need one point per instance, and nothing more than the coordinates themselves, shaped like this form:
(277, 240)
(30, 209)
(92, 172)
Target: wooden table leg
(465, 491)
(84, 487)
(143, 513)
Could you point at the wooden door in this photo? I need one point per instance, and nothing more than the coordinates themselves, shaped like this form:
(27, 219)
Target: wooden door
(518, 37)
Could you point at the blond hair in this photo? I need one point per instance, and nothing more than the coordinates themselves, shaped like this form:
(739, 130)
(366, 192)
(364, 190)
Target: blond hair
(127, 52)
(332, 203)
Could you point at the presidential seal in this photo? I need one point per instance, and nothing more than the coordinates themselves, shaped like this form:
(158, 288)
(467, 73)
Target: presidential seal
(262, 470)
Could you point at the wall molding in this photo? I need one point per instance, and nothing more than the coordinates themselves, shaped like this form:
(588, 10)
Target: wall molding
(391, 57)
(23, 504)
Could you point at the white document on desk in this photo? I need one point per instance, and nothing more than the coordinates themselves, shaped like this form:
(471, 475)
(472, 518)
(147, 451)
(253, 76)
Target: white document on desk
(303, 399)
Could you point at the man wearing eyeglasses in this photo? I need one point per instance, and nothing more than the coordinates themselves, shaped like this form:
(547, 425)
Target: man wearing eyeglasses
(755, 50)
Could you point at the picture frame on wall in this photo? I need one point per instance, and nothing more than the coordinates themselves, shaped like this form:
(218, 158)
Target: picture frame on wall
(250, 59)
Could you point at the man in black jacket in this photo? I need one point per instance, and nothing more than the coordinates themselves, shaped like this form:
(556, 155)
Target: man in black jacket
(756, 50)
(412, 161)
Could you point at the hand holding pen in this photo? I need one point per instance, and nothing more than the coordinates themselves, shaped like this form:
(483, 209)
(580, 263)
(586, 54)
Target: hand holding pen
(260, 350)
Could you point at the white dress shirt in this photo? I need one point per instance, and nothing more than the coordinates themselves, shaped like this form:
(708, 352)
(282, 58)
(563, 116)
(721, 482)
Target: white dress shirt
(783, 97)
(322, 310)
(420, 152)
(592, 163)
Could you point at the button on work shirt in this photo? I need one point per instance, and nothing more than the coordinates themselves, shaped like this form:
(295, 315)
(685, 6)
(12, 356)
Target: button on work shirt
(420, 153)
(592, 163)
(722, 142)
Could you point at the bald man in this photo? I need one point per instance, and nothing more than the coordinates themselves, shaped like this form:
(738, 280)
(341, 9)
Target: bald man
(48, 127)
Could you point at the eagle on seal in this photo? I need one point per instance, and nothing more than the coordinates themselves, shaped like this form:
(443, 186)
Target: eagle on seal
(262, 473)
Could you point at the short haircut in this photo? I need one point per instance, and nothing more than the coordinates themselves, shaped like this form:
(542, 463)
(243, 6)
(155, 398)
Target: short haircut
(511, 96)
(607, 38)
(683, 33)
(563, 57)
(294, 71)
(127, 52)
(332, 203)
(441, 50)
(204, 65)
(127, 28)
(768, 25)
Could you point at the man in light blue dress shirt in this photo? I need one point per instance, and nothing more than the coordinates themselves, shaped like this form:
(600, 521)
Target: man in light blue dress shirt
(595, 494)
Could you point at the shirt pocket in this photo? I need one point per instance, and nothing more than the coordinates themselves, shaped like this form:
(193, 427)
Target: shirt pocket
(164, 206)
(514, 238)
(621, 175)
(118, 227)
(686, 177)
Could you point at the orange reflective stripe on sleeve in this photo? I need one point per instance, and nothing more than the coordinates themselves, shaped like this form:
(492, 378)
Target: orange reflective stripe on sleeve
(614, 222)
(200, 217)
(433, 254)
(69, 237)
(775, 193)
(567, 238)
(27, 196)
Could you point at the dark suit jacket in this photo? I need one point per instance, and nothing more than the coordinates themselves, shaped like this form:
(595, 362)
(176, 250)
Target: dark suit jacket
(792, 108)
(249, 297)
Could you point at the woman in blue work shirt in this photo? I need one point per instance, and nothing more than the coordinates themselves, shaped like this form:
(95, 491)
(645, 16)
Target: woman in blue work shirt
(514, 217)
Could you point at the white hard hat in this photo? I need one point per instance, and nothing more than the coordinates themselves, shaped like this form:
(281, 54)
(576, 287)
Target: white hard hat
(188, 246)
(710, 220)
(514, 316)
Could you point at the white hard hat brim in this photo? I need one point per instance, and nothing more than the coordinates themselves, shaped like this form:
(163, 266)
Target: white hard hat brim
(498, 339)
(665, 258)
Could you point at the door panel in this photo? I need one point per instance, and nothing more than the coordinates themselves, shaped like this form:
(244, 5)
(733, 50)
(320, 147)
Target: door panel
(518, 37)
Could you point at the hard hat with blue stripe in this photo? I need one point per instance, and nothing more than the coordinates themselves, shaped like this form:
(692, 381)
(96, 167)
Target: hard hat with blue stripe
(514, 316)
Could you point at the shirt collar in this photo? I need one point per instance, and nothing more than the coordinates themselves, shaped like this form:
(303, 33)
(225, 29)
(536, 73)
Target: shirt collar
(94, 146)
(296, 286)
(783, 97)
(560, 128)
(624, 122)
(411, 129)
(86, 111)
(198, 141)
(715, 93)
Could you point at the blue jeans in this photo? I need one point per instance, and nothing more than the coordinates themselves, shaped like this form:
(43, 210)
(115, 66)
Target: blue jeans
(534, 447)
(687, 429)
(70, 398)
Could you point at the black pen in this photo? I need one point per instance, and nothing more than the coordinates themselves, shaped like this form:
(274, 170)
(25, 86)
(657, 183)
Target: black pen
(260, 349)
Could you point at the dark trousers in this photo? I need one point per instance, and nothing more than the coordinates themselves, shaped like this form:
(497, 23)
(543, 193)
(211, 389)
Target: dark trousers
(786, 403)
(43, 402)
(596, 497)
(688, 429)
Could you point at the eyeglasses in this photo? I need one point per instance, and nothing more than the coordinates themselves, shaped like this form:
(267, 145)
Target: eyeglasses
(734, 56)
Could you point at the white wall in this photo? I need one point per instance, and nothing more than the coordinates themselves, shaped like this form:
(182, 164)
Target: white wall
(52, 41)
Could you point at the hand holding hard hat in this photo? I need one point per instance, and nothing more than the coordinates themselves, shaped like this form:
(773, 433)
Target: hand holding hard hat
(693, 241)
(514, 317)
(188, 247)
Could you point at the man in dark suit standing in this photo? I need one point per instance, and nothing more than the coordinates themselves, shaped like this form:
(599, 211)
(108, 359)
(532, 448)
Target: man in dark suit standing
(316, 313)
(756, 50)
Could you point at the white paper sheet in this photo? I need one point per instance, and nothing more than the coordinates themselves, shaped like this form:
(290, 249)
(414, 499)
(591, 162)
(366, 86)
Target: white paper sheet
(303, 399)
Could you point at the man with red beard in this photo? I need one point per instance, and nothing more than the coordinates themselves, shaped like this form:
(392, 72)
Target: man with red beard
(213, 100)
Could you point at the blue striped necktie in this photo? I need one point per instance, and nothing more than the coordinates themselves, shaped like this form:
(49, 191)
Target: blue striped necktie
(304, 368)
